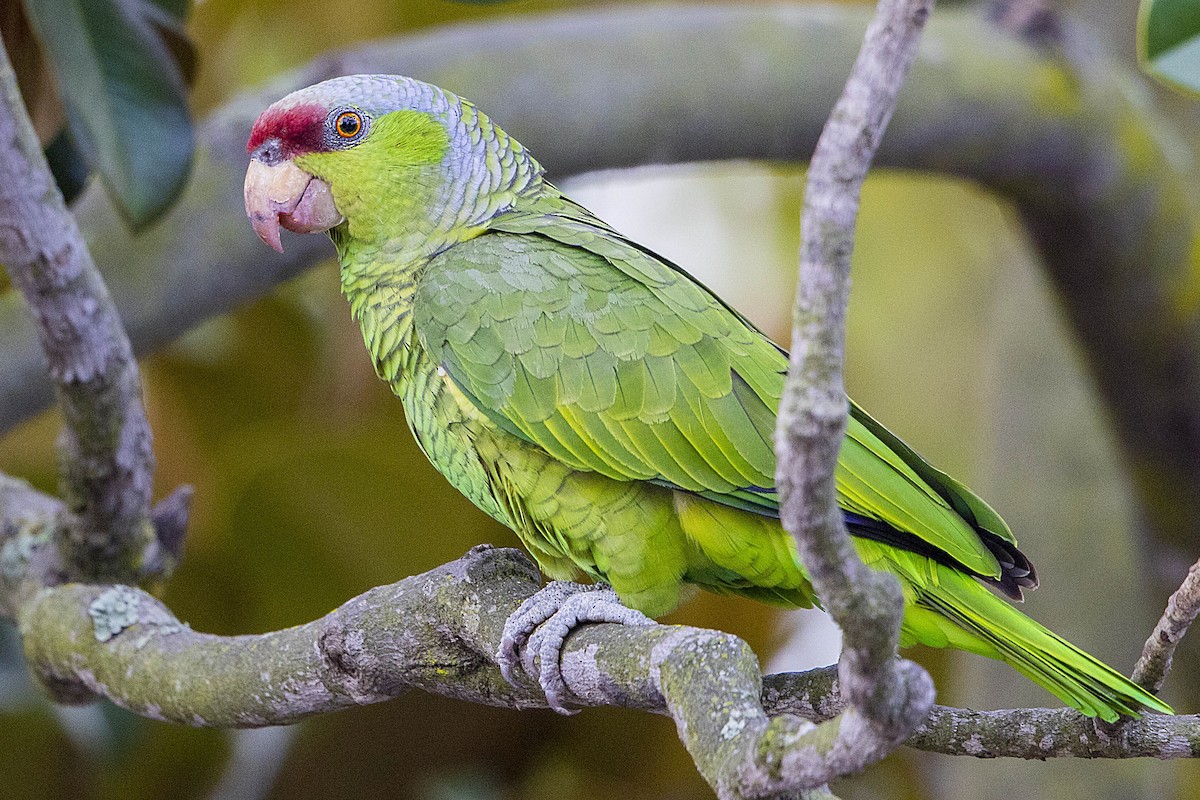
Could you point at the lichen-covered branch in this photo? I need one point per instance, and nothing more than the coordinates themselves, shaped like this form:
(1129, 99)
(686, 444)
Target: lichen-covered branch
(1028, 733)
(886, 698)
(29, 554)
(1042, 733)
(106, 456)
(1182, 609)
(439, 631)
(121, 643)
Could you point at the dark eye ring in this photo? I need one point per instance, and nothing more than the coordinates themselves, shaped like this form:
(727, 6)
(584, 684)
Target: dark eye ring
(348, 124)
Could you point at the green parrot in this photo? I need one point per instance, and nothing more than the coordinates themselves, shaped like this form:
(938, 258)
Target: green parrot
(601, 402)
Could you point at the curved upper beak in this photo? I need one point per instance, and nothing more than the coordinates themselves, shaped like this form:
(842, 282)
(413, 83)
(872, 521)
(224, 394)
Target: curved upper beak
(283, 194)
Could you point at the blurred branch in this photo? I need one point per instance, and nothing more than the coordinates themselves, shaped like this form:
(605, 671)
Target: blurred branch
(1035, 21)
(105, 450)
(439, 632)
(887, 698)
(255, 759)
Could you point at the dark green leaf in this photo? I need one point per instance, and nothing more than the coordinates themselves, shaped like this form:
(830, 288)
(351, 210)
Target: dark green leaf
(169, 18)
(176, 9)
(1169, 41)
(125, 94)
(67, 166)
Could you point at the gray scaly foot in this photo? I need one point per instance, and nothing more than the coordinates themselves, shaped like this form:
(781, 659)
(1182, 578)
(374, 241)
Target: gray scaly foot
(544, 621)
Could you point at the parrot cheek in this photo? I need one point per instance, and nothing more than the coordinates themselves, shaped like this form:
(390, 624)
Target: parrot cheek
(283, 194)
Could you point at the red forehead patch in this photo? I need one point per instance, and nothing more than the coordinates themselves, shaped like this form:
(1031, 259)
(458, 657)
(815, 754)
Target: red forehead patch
(299, 129)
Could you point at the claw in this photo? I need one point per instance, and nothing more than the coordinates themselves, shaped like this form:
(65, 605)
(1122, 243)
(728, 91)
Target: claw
(542, 624)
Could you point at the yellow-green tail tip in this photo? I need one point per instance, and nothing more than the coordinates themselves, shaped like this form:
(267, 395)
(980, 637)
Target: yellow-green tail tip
(1076, 677)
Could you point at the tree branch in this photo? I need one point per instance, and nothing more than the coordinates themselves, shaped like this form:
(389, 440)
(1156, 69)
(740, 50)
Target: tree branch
(105, 449)
(887, 699)
(29, 554)
(439, 632)
(1183, 607)
(1027, 733)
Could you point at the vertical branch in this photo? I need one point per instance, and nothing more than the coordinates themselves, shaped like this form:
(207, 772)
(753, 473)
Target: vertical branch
(1182, 609)
(107, 461)
(890, 697)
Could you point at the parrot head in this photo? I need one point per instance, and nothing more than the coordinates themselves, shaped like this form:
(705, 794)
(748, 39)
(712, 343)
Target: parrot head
(363, 154)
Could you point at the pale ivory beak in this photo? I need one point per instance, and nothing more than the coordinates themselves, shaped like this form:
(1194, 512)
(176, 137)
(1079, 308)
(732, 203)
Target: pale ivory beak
(284, 194)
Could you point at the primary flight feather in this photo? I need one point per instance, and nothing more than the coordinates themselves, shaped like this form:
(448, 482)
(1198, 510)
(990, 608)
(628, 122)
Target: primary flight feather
(601, 402)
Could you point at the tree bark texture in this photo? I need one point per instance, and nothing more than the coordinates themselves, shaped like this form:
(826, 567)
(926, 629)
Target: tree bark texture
(886, 698)
(105, 449)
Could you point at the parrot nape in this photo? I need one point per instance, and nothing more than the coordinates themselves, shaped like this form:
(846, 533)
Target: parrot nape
(598, 400)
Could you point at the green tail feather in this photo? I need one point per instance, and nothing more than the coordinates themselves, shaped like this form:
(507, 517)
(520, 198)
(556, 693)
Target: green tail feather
(1078, 679)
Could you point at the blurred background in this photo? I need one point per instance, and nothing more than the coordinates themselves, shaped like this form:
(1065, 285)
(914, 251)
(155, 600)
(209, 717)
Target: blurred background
(310, 490)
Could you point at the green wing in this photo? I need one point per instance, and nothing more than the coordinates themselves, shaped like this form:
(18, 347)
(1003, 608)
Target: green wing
(615, 361)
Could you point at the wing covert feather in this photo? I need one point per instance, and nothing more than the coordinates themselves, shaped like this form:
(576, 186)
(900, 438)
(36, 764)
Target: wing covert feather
(625, 366)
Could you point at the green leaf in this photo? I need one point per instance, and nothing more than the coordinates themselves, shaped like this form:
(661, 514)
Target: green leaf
(1168, 42)
(67, 166)
(121, 67)
(176, 9)
(169, 18)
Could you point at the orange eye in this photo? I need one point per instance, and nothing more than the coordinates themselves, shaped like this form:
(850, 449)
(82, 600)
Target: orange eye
(348, 125)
